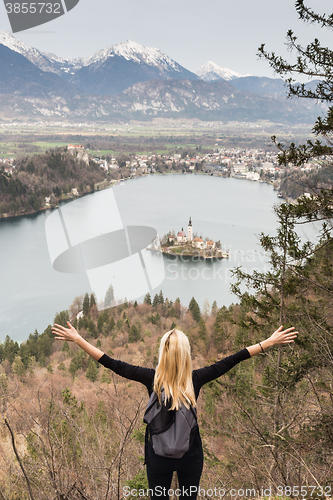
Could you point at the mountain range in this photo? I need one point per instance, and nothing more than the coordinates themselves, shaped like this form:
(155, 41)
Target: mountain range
(211, 72)
(129, 80)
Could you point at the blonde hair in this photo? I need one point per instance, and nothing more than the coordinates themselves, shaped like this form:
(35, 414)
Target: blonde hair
(174, 370)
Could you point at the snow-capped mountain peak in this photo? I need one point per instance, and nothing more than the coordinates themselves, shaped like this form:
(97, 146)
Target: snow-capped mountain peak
(211, 71)
(13, 43)
(133, 51)
(44, 61)
(151, 62)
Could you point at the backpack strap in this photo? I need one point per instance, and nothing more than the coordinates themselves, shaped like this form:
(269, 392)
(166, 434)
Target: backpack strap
(151, 402)
(194, 413)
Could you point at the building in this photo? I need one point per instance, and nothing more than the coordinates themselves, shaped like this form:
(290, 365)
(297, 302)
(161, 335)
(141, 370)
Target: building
(189, 231)
(198, 243)
(181, 237)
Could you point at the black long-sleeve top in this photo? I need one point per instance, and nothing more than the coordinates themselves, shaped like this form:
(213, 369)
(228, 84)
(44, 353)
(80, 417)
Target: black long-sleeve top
(199, 377)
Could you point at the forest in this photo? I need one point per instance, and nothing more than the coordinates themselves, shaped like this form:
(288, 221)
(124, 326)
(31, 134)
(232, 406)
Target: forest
(53, 174)
(296, 183)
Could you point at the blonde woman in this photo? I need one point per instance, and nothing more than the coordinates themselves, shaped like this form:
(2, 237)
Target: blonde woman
(180, 384)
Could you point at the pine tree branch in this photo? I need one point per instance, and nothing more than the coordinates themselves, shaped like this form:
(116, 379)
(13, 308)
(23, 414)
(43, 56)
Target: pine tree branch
(307, 14)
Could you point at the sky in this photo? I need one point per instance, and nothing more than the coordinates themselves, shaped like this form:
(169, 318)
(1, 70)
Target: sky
(191, 32)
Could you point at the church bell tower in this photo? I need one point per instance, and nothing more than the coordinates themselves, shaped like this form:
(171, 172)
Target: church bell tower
(189, 231)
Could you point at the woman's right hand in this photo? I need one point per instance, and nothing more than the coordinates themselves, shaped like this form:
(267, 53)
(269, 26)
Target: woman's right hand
(281, 336)
(69, 334)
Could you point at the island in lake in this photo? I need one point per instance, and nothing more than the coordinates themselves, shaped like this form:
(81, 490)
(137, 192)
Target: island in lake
(186, 245)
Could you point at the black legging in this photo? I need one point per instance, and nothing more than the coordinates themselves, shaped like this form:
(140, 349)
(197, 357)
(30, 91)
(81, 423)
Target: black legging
(160, 471)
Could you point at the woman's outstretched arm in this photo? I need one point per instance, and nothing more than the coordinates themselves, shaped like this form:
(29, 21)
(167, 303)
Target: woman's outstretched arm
(71, 335)
(137, 373)
(278, 337)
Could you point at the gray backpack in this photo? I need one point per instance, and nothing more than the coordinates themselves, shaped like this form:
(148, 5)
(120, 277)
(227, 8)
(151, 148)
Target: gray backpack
(170, 432)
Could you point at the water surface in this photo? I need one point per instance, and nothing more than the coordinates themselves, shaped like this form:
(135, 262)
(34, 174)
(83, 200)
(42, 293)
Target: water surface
(230, 210)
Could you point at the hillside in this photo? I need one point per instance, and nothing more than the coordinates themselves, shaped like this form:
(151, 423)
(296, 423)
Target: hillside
(52, 175)
(20, 77)
(298, 182)
(215, 101)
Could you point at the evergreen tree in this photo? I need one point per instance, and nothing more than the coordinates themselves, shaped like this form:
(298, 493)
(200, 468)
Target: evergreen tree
(10, 349)
(195, 309)
(77, 362)
(109, 297)
(18, 366)
(31, 365)
(177, 307)
(219, 333)
(91, 329)
(284, 295)
(102, 318)
(314, 60)
(61, 318)
(214, 308)
(106, 376)
(147, 299)
(65, 347)
(156, 300)
(134, 334)
(45, 342)
(160, 298)
(92, 300)
(86, 305)
(203, 331)
(112, 323)
(92, 370)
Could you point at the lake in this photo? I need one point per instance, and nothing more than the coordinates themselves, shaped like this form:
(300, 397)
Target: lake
(230, 210)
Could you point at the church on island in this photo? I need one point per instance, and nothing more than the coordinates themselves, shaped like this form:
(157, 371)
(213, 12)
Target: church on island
(182, 238)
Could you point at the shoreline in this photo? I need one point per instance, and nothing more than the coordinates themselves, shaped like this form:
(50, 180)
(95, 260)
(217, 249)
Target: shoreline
(189, 256)
(5, 216)
(63, 200)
